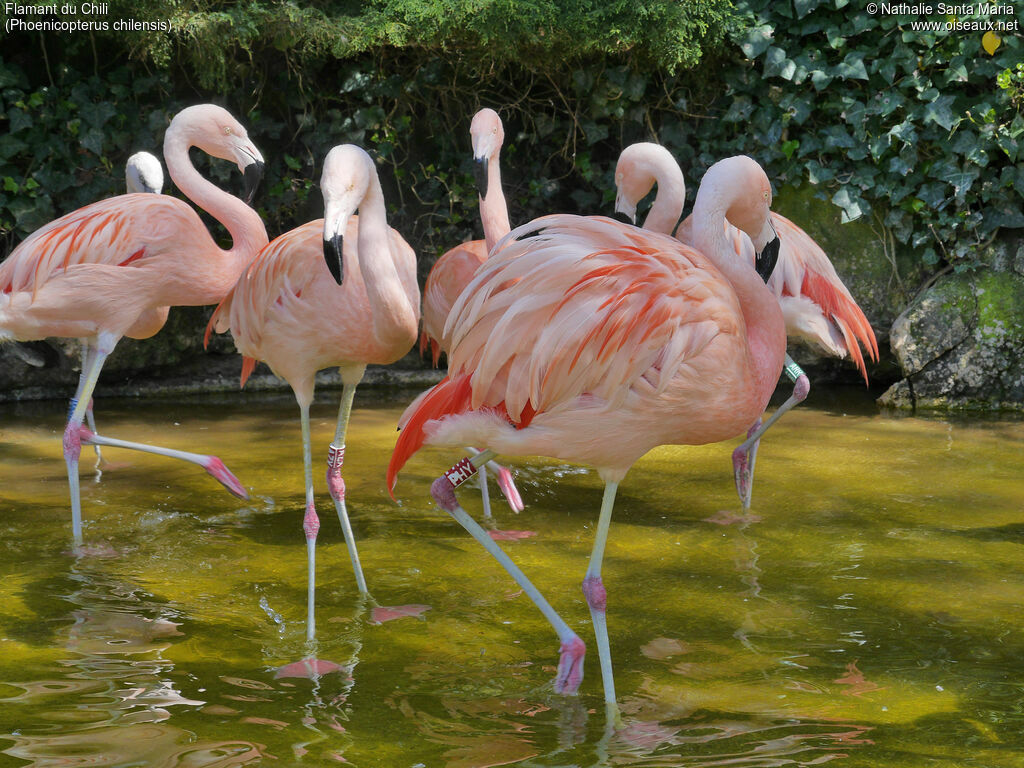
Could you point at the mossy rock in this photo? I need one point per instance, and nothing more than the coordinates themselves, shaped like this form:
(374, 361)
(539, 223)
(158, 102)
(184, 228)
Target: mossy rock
(959, 344)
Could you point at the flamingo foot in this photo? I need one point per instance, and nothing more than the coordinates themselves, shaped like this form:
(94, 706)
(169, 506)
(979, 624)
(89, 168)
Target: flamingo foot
(570, 666)
(382, 613)
(225, 477)
(309, 668)
(509, 490)
(510, 535)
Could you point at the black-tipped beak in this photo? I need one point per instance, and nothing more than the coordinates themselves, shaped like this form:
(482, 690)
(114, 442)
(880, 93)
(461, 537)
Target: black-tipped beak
(480, 172)
(332, 255)
(624, 217)
(252, 176)
(767, 259)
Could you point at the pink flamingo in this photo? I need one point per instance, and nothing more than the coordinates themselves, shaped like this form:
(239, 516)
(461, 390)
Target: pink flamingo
(142, 173)
(301, 309)
(112, 268)
(456, 267)
(595, 341)
(816, 305)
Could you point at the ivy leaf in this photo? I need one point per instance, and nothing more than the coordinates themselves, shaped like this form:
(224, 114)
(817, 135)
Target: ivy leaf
(940, 112)
(756, 41)
(18, 119)
(10, 146)
(900, 166)
(777, 65)
(852, 67)
(851, 204)
(738, 111)
(803, 7)
(820, 80)
(838, 137)
(817, 173)
(904, 132)
(933, 195)
(789, 147)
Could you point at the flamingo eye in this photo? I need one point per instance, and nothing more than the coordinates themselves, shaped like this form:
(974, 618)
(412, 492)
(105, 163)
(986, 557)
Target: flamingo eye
(227, 130)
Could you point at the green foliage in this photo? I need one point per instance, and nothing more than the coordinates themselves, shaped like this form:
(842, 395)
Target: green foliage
(921, 130)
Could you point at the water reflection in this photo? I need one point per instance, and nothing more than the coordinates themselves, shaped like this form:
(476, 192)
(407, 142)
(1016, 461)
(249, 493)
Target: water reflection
(111, 706)
(866, 613)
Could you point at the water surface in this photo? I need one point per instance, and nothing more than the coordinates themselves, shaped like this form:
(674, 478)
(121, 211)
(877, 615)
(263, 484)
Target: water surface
(866, 613)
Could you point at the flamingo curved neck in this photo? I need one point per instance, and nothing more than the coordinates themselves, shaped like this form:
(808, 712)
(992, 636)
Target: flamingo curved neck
(248, 233)
(493, 208)
(668, 200)
(766, 330)
(393, 314)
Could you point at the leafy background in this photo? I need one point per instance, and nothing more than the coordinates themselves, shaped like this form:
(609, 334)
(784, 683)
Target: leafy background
(920, 134)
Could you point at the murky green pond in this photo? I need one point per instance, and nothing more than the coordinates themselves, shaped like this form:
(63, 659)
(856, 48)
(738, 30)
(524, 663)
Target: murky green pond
(868, 612)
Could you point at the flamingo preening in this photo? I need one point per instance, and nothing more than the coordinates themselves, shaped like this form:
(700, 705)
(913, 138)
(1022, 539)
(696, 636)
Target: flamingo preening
(111, 269)
(816, 305)
(594, 341)
(338, 291)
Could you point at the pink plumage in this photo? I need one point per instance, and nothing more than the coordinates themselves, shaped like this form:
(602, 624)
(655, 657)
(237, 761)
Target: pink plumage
(593, 341)
(112, 268)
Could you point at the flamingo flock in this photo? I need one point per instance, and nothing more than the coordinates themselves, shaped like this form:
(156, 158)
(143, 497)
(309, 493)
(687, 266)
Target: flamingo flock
(575, 337)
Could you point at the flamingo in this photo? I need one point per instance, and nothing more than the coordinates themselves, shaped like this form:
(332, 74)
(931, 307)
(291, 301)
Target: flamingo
(112, 268)
(456, 267)
(816, 305)
(300, 309)
(142, 173)
(594, 341)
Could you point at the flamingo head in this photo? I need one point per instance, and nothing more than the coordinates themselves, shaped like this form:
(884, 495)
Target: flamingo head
(143, 173)
(636, 173)
(487, 134)
(750, 211)
(344, 183)
(215, 131)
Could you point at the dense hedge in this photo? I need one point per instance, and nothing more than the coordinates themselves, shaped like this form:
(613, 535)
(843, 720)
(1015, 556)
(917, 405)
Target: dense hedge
(917, 131)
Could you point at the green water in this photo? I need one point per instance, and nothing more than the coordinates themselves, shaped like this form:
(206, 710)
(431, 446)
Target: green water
(867, 613)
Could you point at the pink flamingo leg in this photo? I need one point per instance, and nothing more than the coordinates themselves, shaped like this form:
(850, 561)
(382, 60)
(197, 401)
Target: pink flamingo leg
(310, 525)
(572, 649)
(744, 455)
(336, 484)
(594, 591)
(72, 433)
(213, 465)
(90, 419)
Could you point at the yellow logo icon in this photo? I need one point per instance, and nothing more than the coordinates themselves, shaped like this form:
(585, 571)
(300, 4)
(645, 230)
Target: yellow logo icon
(990, 42)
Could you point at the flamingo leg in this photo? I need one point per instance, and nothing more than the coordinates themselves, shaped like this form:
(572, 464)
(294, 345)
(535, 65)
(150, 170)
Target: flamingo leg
(310, 524)
(744, 455)
(485, 493)
(214, 466)
(90, 419)
(336, 484)
(72, 432)
(594, 591)
(573, 649)
(505, 482)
